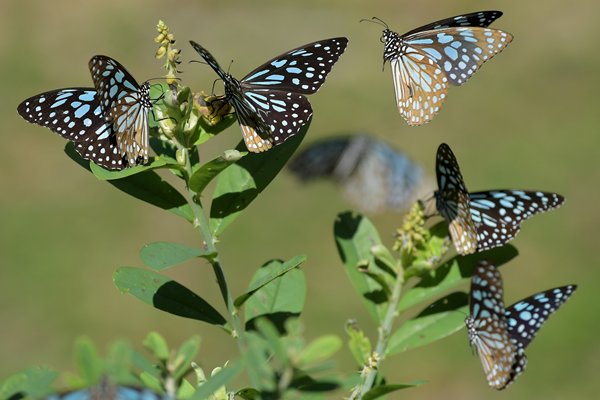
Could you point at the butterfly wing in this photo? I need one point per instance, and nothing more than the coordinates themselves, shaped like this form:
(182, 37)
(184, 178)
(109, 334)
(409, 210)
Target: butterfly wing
(459, 51)
(452, 201)
(301, 70)
(481, 18)
(77, 115)
(127, 106)
(526, 317)
(419, 85)
(210, 60)
(488, 328)
(498, 214)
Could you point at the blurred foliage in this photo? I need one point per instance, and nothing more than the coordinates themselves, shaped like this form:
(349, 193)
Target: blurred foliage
(527, 120)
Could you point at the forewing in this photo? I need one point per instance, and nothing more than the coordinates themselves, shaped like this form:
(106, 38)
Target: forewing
(210, 60)
(111, 80)
(459, 51)
(74, 113)
(301, 70)
(498, 214)
(526, 317)
(480, 18)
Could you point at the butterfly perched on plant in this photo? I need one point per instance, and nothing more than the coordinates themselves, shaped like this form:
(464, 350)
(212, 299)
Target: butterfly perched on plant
(424, 60)
(108, 124)
(373, 176)
(500, 335)
(270, 101)
(494, 216)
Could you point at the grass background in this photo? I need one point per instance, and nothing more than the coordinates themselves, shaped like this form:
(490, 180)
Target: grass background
(526, 120)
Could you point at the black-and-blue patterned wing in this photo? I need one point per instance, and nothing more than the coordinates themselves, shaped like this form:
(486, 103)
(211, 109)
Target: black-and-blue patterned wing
(526, 317)
(105, 392)
(301, 70)
(498, 214)
(482, 19)
(452, 201)
(77, 115)
(127, 105)
(488, 327)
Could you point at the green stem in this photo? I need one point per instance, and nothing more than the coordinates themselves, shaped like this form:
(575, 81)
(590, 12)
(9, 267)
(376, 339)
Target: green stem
(385, 331)
(201, 222)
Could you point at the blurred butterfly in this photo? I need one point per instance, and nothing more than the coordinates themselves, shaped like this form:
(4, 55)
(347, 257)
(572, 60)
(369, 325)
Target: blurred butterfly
(500, 335)
(106, 391)
(494, 216)
(372, 175)
(107, 124)
(424, 60)
(270, 101)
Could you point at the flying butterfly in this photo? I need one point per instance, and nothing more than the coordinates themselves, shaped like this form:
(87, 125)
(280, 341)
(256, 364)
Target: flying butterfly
(372, 175)
(452, 201)
(496, 215)
(500, 335)
(107, 124)
(424, 60)
(109, 392)
(270, 101)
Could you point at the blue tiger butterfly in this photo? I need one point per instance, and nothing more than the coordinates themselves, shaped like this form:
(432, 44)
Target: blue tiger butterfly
(500, 335)
(270, 101)
(494, 216)
(426, 59)
(108, 124)
(373, 176)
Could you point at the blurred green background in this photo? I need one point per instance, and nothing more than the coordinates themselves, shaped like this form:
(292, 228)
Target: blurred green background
(526, 120)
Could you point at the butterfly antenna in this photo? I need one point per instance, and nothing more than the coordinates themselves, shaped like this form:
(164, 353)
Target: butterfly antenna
(377, 21)
(198, 61)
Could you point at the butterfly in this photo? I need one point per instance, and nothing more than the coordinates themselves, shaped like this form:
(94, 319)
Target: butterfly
(426, 59)
(500, 335)
(107, 124)
(494, 216)
(270, 101)
(453, 203)
(372, 175)
(109, 392)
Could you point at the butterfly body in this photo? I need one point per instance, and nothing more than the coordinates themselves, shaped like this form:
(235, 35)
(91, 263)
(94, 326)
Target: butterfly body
(270, 101)
(426, 59)
(500, 335)
(107, 124)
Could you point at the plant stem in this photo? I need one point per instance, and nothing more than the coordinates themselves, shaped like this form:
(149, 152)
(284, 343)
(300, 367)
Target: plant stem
(385, 330)
(201, 222)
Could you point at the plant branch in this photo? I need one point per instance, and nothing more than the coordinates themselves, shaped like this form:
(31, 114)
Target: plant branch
(369, 372)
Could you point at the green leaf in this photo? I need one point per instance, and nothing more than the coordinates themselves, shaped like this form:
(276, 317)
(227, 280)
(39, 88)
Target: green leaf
(454, 272)
(355, 235)
(89, 364)
(240, 184)
(162, 255)
(285, 294)
(440, 319)
(273, 272)
(157, 345)
(207, 172)
(165, 294)
(35, 382)
(382, 390)
(272, 336)
(218, 380)
(256, 362)
(319, 350)
(107, 175)
(358, 343)
(118, 363)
